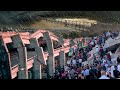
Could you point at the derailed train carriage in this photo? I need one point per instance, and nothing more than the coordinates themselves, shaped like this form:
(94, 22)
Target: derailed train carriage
(22, 57)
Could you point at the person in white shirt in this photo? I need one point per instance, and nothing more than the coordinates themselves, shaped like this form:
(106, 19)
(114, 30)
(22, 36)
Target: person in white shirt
(95, 41)
(103, 75)
(66, 68)
(110, 53)
(104, 48)
(118, 67)
(108, 34)
(104, 61)
(80, 62)
(108, 70)
(86, 73)
(97, 50)
(106, 65)
(68, 62)
(83, 69)
(92, 43)
(74, 62)
(112, 69)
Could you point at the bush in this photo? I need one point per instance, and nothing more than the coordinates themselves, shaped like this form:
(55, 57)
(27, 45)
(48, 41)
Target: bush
(65, 35)
(74, 34)
(84, 33)
(93, 34)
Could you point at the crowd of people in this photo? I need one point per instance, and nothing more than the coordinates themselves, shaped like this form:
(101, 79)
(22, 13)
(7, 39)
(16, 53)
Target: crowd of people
(102, 66)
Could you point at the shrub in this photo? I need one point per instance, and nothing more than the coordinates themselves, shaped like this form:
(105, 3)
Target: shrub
(74, 34)
(65, 35)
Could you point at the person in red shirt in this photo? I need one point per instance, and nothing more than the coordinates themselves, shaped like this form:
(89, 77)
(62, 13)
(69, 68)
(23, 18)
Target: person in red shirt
(79, 55)
(108, 57)
(79, 69)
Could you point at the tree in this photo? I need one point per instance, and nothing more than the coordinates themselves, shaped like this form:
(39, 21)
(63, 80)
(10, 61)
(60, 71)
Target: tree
(93, 34)
(85, 33)
(65, 35)
(74, 34)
